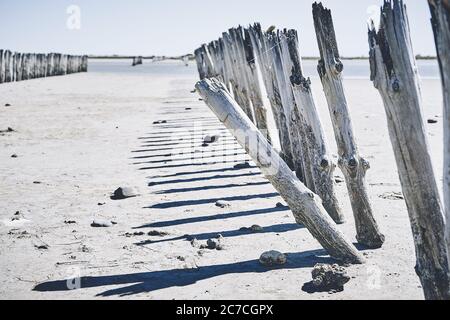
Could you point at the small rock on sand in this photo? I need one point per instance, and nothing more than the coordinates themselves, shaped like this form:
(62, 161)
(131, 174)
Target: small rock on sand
(223, 204)
(280, 205)
(245, 165)
(14, 156)
(392, 196)
(432, 121)
(211, 139)
(214, 244)
(102, 224)
(255, 228)
(124, 193)
(326, 277)
(7, 105)
(156, 233)
(272, 258)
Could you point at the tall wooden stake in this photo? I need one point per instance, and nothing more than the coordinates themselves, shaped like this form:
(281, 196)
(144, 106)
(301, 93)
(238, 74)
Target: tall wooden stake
(353, 166)
(394, 73)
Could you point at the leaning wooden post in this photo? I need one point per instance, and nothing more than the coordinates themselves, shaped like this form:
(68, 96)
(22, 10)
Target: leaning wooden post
(353, 166)
(305, 205)
(262, 48)
(440, 12)
(394, 73)
(256, 92)
(322, 166)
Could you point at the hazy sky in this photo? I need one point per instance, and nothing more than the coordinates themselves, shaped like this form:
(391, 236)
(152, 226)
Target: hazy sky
(173, 27)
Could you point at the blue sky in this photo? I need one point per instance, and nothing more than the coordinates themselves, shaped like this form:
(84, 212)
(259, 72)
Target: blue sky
(173, 27)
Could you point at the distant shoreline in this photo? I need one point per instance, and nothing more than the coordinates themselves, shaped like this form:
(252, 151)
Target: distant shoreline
(191, 57)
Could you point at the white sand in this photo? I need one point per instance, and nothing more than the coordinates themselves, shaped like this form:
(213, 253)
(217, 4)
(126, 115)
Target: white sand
(67, 139)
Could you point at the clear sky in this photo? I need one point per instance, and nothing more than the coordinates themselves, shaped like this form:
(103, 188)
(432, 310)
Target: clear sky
(174, 27)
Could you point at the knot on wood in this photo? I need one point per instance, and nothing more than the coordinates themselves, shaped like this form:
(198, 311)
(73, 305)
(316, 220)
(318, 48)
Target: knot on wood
(321, 68)
(338, 66)
(396, 85)
(353, 162)
(365, 164)
(325, 164)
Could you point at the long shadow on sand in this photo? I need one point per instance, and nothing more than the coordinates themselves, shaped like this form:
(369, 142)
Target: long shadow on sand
(215, 187)
(151, 281)
(177, 222)
(280, 228)
(184, 203)
(198, 179)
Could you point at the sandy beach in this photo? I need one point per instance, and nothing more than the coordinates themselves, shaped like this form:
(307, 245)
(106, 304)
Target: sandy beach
(78, 138)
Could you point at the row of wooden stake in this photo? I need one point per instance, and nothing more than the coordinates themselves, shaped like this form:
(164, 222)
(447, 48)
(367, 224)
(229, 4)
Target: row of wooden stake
(247, 64)
(16, 66)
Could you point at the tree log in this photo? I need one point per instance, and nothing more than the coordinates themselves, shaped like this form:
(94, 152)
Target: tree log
(353, 166)
(394, 73)
(440, 12)
(305, 205)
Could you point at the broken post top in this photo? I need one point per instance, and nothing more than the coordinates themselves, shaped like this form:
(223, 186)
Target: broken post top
(326, 38)
(394, 44)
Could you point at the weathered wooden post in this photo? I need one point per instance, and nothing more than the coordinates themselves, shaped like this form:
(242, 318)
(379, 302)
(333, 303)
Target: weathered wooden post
(18, 66)
(85, 62)
(262, 48)
(237, 75)
(322, 167)
(254, 74)
(25, 66)
(394, 73)
(305, 205)
(2, 66)
(288, 112)
(440, 12)
(8, 66)
(353, 166)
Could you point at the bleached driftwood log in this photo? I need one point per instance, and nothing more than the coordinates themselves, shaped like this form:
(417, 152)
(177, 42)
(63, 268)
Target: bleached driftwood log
(305, 205)
(440, 12)
(262, 48)
(321, 165)
(394, 73)
(353, 166)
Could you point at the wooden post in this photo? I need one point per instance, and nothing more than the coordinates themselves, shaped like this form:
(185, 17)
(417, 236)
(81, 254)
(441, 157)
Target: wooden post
(321, 165)
(440, 12)
(18, 66)
(262, 48)
(8, 71)
(2, 66)
(255, 89)
(353, 166)
(394, 73)
(298, 144)
(238, 82)
(305, 205)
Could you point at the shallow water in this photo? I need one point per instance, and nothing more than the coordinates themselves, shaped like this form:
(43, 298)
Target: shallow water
(353, 69)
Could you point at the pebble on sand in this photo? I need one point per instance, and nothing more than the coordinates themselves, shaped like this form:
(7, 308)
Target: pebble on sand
(432, 121)
(255, 228)
(7, 105)
(272, 258)
(245, 165)
(124, 193)
(223, 204)
(14, 156)
(156, 233)
(211, 139)
(102, 224)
